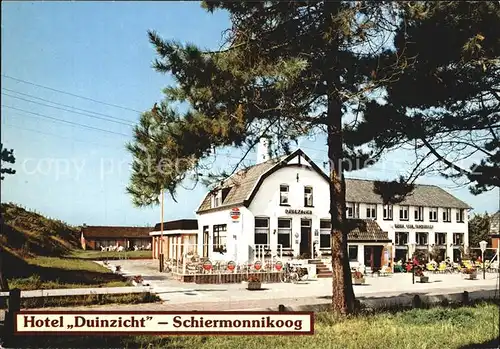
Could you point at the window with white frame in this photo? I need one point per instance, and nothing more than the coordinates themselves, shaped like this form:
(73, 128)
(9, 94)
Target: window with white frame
(460, 215)
(458, 239)
(216, 199)
(433, 214)
(440, 238)
(325, 228)
(403, 213)
(419, 213)
(388, 212)
(371, 211)
(349, 210)
(352, 210)
(219, 237)
(283, 194)
(285, 232)
(447, 215)
(422, 239)
(261, 231)
(308, 196)
(401, 238)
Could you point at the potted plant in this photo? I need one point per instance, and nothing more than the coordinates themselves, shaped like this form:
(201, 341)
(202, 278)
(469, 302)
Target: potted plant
(419, 271)
(254, 283)
(137, 280)
(358, 278)
(471, 272)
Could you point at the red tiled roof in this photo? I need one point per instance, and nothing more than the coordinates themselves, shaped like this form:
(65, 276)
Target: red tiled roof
(116, 232)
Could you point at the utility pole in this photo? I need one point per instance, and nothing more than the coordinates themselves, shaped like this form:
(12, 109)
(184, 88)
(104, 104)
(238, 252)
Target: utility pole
(160, 256)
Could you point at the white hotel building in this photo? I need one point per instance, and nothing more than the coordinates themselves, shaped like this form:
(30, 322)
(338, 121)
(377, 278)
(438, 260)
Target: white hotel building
(284, 206)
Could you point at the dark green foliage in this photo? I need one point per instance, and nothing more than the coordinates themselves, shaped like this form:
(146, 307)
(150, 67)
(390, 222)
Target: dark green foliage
(446, 104)
(393, 192)
(479, 229)
(7, 157)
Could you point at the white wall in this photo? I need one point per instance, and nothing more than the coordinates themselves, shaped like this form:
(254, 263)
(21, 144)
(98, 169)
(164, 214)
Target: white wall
(237, 241)
(266, 202)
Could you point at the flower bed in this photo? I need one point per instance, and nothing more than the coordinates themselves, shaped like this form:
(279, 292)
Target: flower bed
(471, 273)
(419, 272)
(254, 283)
(358, 278)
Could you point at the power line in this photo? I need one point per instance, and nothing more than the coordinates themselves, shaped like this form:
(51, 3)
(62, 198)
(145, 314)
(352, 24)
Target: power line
(70, 94)
(59, 136)
(64, 121)
(129, 122)
(68, 110)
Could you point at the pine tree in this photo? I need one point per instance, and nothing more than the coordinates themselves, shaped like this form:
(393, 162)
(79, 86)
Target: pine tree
(446, 105)
(286, 69)
(7, 157)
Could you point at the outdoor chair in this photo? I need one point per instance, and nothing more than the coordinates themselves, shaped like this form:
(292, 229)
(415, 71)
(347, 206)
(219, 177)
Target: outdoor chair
(430, 267)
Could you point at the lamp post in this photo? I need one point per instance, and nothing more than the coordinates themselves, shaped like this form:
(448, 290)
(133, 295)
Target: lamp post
(160, 254)
(483, 245)
(412, 247)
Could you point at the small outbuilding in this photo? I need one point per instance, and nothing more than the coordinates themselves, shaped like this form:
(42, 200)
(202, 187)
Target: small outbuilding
(178, 236)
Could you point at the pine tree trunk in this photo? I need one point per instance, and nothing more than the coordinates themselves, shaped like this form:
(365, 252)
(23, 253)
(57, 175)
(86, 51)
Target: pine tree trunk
(343, 299)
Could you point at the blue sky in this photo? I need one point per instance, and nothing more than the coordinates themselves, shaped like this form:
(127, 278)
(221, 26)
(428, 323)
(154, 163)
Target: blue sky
(100, 51)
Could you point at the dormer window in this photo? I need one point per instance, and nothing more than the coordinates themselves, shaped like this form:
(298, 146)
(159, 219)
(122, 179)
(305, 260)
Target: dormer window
(224, 193)
(308, 196)
(284, 194)
(217, 199)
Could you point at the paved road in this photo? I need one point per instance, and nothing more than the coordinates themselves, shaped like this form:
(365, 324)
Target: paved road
(263, 302)
(181, 296)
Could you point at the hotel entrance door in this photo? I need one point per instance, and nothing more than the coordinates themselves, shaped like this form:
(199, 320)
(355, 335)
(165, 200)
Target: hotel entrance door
(305, 238)
(373, 257)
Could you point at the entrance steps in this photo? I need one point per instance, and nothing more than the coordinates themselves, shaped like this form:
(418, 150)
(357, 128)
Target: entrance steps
(322, 271)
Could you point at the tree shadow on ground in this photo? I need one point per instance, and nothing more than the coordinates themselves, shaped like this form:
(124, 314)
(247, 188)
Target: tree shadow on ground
(494, 343)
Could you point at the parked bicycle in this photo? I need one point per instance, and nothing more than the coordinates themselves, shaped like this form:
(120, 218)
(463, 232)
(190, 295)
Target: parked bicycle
(293, 273)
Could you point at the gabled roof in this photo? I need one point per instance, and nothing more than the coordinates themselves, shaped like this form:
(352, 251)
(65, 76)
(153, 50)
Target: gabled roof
(115, 232)
(361, 190)
(245, 184)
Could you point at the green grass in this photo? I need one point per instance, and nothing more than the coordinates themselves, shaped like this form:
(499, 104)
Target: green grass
(99, 255)
(450, 328)
(86, 300)
(67, 264)
(58, 272)
(35, 283)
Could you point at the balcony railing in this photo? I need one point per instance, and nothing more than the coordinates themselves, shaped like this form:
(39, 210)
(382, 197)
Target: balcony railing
(261, 251)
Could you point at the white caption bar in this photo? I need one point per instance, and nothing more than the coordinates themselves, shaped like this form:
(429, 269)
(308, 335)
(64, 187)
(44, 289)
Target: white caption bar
(166, 323)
